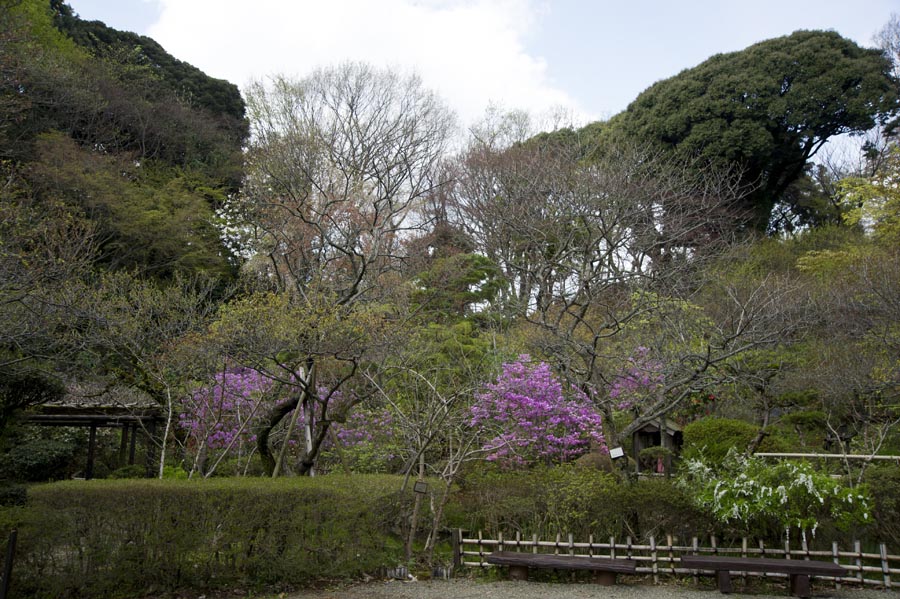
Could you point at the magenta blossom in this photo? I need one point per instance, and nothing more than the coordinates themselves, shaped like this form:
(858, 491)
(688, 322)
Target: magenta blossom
(535, 418)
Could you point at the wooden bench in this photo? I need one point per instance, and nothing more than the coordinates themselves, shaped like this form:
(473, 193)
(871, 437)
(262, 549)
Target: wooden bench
(798, 570)
(604, 568)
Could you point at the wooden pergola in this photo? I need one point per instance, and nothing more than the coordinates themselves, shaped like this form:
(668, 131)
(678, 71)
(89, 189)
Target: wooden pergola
(131, 413)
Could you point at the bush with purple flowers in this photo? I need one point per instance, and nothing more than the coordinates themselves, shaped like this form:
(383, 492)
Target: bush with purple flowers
(220, 417)
(368, 442)
(533, 418)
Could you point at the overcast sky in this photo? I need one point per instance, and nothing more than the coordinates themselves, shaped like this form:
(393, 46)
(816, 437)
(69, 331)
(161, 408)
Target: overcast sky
(590, 57)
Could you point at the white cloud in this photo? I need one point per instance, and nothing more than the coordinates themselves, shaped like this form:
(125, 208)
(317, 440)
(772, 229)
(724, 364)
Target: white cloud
(472, 52)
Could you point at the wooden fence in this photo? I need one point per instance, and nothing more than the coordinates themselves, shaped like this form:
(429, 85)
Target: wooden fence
(664, 559)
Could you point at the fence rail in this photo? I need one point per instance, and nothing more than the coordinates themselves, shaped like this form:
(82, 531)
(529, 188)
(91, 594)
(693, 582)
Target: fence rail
(658, 558)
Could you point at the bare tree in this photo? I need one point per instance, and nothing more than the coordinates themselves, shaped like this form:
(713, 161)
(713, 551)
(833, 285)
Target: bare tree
(888, 39)
(337, 164)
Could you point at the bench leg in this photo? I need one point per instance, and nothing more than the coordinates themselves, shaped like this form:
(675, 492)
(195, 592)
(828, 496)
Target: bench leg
(723, 579)
(800, 585)
(606, 579)
(518, 572)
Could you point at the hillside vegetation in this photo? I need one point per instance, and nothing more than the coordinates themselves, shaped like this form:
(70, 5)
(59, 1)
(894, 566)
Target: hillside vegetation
(306, 279)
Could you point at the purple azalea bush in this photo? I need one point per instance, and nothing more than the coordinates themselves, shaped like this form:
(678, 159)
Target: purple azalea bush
(533, 417)
(220, 415)
(367, 442)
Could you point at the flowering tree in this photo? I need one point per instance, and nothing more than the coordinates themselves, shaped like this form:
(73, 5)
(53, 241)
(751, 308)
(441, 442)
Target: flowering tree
(641, 376)
(534, 418)
(220, 418)
(748, 491)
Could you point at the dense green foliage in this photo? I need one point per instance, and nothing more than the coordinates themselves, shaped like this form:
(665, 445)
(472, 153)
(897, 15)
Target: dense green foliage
(766, 109)
(108, 135)
(712, 438)
(215, 95)
(884, 487)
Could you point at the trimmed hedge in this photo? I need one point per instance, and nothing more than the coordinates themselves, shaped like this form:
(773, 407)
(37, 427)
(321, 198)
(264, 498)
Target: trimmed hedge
(712, 438)
(117, 538)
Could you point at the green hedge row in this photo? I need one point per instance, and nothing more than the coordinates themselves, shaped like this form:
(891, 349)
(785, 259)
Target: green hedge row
(574, 499)
(124, 538)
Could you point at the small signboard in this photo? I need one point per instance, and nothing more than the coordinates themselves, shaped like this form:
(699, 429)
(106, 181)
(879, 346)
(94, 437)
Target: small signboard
(616, 452)
(420, 487)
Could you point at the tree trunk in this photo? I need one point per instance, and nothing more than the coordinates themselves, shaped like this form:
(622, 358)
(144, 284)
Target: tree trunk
(304, 405)
(417, 507)
(263, 431)
(437, 519)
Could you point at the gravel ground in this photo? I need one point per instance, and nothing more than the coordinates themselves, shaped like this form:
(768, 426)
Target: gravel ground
(474, 589)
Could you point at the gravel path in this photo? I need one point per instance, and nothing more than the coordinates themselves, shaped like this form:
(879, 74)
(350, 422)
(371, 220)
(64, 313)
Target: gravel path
(474, 589)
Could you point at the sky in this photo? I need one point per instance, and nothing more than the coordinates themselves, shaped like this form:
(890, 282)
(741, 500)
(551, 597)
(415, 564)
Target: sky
(583, 58)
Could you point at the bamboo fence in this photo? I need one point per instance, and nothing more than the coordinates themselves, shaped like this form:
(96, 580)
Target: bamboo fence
(664, 559)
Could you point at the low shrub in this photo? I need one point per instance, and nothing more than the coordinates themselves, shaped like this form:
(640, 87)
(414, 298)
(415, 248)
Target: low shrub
(122, 538)
(658, 507)
(884, 486)
(12, 494)
(712, 438)
(38, 460)
(573, 499)
(130, 471)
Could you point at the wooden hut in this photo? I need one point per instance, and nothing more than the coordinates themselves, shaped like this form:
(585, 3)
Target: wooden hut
(658, 433)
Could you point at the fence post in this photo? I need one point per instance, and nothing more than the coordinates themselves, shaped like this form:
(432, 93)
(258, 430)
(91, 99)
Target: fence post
(534, 543)
(762, 553)
(612, 547)
(670, 541)
(857, 548)
(744, 555)
(591, 545)
(480, 550)
(518, 540)
(654, 562)
(8, 563)
(695, 543)
(837, 560)
(500, 541)
(457, 548)
(885, 567)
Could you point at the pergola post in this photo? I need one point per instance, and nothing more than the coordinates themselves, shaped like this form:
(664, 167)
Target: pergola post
(151, 449)
(92, 449)
(123, 445)
(134, 429)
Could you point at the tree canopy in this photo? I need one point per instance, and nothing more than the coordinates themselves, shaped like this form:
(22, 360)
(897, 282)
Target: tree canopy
(768, 108)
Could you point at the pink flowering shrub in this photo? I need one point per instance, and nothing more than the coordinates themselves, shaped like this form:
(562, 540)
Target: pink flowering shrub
(533, 417)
